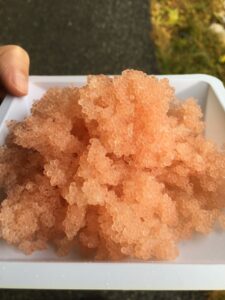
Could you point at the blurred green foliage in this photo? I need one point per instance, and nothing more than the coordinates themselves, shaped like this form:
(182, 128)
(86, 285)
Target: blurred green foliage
(184, 42)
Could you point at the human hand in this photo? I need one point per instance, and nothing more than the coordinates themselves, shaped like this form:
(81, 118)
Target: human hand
(14, 71)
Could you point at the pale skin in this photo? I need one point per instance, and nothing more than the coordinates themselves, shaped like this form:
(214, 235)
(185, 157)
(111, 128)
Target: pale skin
(14, 71)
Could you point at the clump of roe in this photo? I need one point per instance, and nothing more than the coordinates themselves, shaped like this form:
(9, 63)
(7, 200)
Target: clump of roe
(119, 167)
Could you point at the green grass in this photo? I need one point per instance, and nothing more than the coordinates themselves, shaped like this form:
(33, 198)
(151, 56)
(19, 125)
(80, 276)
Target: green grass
(184, 43)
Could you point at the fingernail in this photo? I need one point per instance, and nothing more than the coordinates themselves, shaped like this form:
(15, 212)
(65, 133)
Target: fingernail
(20, 82)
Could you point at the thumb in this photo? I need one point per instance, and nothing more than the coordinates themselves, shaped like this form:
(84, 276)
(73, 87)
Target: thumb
(14, 69)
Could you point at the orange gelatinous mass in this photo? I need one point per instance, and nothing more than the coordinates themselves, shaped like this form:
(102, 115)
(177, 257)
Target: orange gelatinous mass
(119, 167)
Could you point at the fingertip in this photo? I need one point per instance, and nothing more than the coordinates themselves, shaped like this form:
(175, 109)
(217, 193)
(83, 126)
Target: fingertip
(15, 83)
(14, 69)
(19, 83)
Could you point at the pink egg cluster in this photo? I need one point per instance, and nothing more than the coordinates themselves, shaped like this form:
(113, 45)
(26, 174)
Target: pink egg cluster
(119, 168)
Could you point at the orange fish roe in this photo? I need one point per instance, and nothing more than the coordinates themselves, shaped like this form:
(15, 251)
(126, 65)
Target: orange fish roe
(119, 168)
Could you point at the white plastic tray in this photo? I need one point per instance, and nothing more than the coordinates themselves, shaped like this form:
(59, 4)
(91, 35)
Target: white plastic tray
(201, 264)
